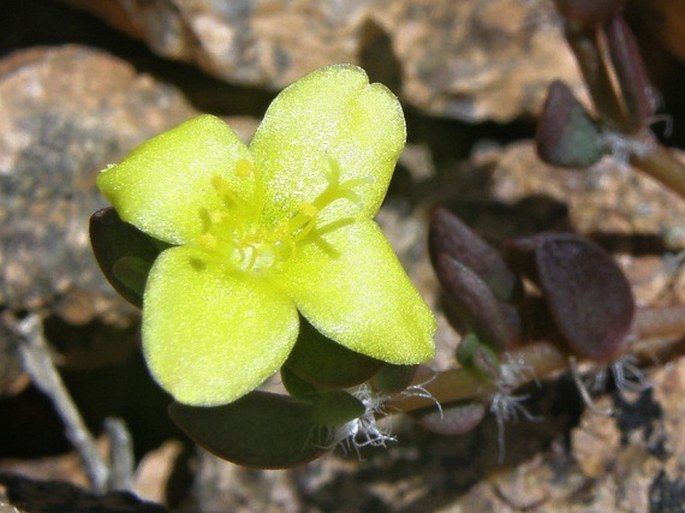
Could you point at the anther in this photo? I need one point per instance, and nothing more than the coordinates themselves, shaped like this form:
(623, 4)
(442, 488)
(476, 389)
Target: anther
(243, 168)
(309, 210)
(220, 184)
(207, 241)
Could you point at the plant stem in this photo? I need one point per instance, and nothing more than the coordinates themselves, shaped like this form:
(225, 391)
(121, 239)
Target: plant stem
(661, 165)
(584, 43)
(539, 359)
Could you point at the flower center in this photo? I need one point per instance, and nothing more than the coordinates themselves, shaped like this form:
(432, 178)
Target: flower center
(236, 231)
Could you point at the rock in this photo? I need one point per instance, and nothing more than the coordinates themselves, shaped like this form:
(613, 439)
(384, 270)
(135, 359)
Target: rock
(621, 208)
(67, 112)
(628, 463)
(611, 198)
(12, 378)
(474, 60)
(26, 495)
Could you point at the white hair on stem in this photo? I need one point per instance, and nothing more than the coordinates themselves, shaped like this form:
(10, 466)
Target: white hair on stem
(625, 372)
(622, 146)
(364, 431)
(419, 390)
(583, 389)
(506, 406)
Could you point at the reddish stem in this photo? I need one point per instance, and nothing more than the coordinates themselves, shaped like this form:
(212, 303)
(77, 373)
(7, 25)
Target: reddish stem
(585, 43)
(661, 165)
(539, 359)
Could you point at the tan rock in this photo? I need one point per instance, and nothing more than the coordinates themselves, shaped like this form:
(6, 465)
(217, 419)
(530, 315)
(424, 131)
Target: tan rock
(473, 59)
(67, 112)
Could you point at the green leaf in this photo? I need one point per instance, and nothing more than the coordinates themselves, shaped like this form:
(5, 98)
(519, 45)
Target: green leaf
(262, 430)
(124, 253)
(566, 134)
(335, 408)
(394, 378)
(473, 354)
(326, 364)
(296, 386)
(330, 407)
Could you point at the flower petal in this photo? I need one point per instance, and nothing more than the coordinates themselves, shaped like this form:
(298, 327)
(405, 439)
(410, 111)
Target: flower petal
(353, 289)
(165, 184)
(330, 120)
(211, 335)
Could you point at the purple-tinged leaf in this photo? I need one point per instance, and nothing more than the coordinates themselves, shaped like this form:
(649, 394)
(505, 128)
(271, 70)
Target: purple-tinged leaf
(449, 235)
(631, 72)
(454, 419)
(261, 430)
(124, 253)
(473, 301)
(589, 12)
(587, 294)
(566, 135)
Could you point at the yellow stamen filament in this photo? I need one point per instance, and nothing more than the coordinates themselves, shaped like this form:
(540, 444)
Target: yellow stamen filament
(235, 231)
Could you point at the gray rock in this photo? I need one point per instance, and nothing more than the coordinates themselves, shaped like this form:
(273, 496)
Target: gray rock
(67, 112)
(24, 494)
(473, 60)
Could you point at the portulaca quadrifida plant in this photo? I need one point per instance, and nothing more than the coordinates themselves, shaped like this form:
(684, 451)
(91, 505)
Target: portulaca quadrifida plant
(255, 260)
(256, 240)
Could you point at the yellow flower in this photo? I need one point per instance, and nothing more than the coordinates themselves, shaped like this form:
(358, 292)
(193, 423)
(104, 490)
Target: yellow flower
(262, 232)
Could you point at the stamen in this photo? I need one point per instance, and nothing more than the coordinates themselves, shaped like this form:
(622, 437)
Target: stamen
(231, 199)
(244, 168)
(332, 226)
(309, 210)
(303, 222)
(336, 190)
(236, 230)
(316, 236)
(205, 219)
(207, 242)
